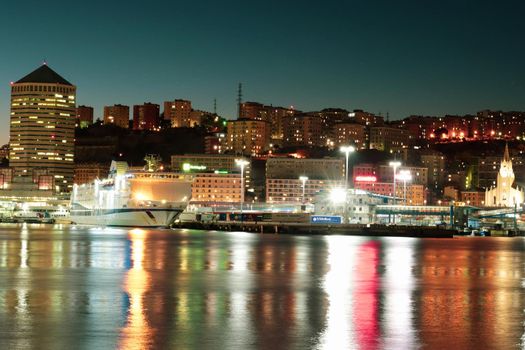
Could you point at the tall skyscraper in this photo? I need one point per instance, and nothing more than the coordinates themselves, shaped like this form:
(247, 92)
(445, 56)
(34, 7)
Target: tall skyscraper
(118, 115)
(43, 129)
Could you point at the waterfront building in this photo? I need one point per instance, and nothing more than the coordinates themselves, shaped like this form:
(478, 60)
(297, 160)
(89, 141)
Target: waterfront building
(474, 198)
(117, 115)
(42, 132)
(216, 188)
(86, 173)
(84, 116)
(146, 116)
(222, 163)
(415, 193)
(290, 191)
(313, 168)
(419, 174)
(360, 205)
(247, 137)
(504, 195)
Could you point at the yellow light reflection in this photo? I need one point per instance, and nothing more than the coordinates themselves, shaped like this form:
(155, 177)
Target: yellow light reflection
(137, 332)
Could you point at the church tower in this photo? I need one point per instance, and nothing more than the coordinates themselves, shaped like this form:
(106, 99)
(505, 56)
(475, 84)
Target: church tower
(504, 195)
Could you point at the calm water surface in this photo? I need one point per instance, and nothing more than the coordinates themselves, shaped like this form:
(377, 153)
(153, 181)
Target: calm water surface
(65, 287)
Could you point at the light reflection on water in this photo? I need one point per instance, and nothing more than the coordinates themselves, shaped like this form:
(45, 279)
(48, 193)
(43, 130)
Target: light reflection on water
(86, 288)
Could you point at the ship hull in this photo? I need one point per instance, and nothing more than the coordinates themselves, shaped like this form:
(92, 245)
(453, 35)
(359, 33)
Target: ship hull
(126, 217)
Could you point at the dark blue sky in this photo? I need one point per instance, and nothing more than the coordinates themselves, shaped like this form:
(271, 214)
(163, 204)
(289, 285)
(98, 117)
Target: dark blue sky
(405, 57)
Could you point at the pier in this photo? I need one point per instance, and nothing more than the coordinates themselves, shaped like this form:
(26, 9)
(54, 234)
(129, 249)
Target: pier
(323, 229)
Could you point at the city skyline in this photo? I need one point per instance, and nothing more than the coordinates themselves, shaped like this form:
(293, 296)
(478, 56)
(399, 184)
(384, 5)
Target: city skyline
(407, 59)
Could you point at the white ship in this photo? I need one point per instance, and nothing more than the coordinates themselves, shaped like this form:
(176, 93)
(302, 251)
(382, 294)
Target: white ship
(146, 198)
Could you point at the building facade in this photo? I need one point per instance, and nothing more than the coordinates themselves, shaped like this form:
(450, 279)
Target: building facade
(388, 139)
(87, 173)
(146, 116)
(117, 115)
(84, 116)
(303, 130)
(216, 188)
(42, 128)
(504, 195)
(247, 137)
(290, 191)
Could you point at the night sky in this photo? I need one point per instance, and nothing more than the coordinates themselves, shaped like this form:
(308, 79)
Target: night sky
(404, 57)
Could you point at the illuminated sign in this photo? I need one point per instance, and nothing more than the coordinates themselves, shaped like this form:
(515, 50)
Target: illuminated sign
(365, 178)
(221, 172)
(325, 219)
(190, 167)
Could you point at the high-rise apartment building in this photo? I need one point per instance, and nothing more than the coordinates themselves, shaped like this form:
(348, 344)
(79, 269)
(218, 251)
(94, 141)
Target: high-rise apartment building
(248, 137)
(178, 112)
(84, 116)
(350, 134)
(118, 115)
(42, 130)
(146, 116)
(303, 130)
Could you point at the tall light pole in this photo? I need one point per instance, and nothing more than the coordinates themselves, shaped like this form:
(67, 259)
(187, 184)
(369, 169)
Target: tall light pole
(346, 150)
(404, 175)
(303, 180)
(242, 163)
(395, 165)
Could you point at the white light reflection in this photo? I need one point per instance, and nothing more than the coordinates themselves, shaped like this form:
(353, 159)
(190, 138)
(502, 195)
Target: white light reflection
(340, 331)
(24, 256)
(398, 283)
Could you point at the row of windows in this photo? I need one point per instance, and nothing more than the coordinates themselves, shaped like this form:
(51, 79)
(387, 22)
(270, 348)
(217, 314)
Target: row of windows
(42, 88)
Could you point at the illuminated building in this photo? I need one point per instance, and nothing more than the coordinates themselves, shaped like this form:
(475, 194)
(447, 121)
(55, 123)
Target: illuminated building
(350, 134)
(118, 115)
(210, 163)
(291, 190)
(303, 130)
(42, 131)
(216, 187)
(146, 116)
(504, 195)
(213, 144)
(474, 198)
(415, 193)
(273, 115)
(314, 168)
(87, 173)
(181, 114)
(84, 116)
(435, 163)
(365, 118)
(419, 174)
(388, 139)
(247, 137)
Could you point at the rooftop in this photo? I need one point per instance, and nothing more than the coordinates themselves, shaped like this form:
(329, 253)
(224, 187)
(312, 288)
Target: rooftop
(44, 74)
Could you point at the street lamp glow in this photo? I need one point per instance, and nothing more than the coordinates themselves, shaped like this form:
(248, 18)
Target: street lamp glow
(303, 180)
(346, 150)
(337, 195)
(242, 163)
(395, 165)
(404, 175)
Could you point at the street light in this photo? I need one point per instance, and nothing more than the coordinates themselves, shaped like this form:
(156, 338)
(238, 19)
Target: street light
(395, 165)
(303, 180)
(346, 150)
(242, 163)
(404, 175)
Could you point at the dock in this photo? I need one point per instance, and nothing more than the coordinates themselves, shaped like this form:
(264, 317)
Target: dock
(323, 229)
